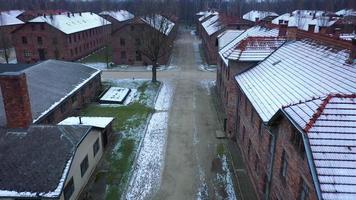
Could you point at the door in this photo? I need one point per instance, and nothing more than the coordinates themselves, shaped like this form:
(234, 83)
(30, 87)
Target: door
(104, 138)
(42, 54)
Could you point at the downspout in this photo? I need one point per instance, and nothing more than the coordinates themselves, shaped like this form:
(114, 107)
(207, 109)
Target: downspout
(309, 156)
(271, 163)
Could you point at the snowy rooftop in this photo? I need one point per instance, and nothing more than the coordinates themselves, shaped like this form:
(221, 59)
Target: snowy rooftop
(256, 15)
(256, 48)
(303, 20)
(46, 86)
(349, 36)
(227, 36)
(119, 15)
(330, 125)
(256, 31)
(297, 71)
(346, 12)
(15, 13)
(207, 14)
(27, 157)
(160, 23)
(98, 122)
(74, 23)
(8, 18)
(212, 25)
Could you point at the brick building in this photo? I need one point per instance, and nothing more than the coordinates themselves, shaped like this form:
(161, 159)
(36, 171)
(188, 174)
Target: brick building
(42, 96)
(213, 27)
(242, 52)
(117, 18)
(290, 133)
(201, 17)
(132, 39)
(31, 14)
(8, 23)
(68, 37)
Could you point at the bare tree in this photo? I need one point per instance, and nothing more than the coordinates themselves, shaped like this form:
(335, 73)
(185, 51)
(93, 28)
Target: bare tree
(153, 41)
(5, 41)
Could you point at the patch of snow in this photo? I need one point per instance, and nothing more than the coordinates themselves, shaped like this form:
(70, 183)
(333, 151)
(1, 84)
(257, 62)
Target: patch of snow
(119, 15)
(115, 94)
(207, 85)
(99, 122)
(225, 178)
(147, 172)
(207, 68)
(97, 65)
(66, 96)
(164, 99)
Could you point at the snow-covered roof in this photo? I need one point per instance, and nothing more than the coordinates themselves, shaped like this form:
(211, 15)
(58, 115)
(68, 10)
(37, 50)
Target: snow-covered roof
(14, 13)
(256, 48)
(115, 94)
(160, 23)
(330, 125)
(257, 14)
(98, 122)
(346, 12)
(297, 71)
(207, 14)
(212, 25)
(76, 22)
(9, 18)
(42, 155)
(348, 36)
(119, 15)
(256, 31)
(303, 20)
(227, 36)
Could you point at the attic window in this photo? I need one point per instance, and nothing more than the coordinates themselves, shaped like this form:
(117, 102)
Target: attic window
(275, 63)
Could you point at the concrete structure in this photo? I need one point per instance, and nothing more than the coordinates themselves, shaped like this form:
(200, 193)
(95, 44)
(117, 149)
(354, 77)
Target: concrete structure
(68, 36)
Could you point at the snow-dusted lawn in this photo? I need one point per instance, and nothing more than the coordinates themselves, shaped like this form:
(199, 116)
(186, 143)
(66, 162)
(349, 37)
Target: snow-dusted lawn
(149, 164)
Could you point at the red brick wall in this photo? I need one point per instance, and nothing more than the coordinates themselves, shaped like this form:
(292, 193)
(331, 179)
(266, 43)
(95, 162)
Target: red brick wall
(5, 31)
(16, 100)
(210, 47)
(128, 33)
(88, 93)
(55, 43)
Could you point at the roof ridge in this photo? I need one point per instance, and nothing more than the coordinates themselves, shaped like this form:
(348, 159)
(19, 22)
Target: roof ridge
(322, 107)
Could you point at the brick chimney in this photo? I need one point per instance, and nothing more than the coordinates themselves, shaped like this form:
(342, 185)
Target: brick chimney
(16, 100)
(352, 52)
(292, 33)
(282, 30)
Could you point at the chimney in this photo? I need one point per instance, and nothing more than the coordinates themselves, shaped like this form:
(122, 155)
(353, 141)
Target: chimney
(292, 33)
(68, 14)
(282, 30)
(352, 52)
(16, 100)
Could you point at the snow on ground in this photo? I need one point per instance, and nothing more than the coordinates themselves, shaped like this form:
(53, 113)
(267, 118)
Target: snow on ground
(164, 98)
(97, 65)
(149, 164)
(226, 179)
(150, 161)
(207, 68)
(207, 85)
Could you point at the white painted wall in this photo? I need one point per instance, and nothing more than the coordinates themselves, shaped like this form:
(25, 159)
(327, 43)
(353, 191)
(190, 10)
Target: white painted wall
(85, 148)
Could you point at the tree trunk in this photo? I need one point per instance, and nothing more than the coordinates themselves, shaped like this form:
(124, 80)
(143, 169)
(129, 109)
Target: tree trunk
(154, 72)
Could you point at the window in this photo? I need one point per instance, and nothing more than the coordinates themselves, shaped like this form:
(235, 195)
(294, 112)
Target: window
(284, 167)
(122, 42)
(138, 56)
(249, 148)
(27, 53)
(56, 54)
(39, 40)
(76, 50)
(70, 39)
(137, 42)
(132, 28)
(24, 40)
(55, 41)
(42, 27)
(74, 98)
(260, 128)
(84, 165)
(304, 191)
(33, 27)
(256, 164)
(123, 54)
(96, 147)
(68, 189)
(71, 52)
(252, 112)
(297, 141)
(63, 108)
(243, 133)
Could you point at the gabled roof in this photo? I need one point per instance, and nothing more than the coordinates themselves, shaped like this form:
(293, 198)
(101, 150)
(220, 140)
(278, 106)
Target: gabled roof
(36, 162)
(212, 25)
(302, 20)
(256, 31)
(297, 71)
(330, 125)
(256, 48)
(253, 14)
(9, 18)
(15, 13)
(49, 83)
(207, 14)
(119, 15)
(76, 22)
(227, 36)
(160, 23)
(346, 12)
